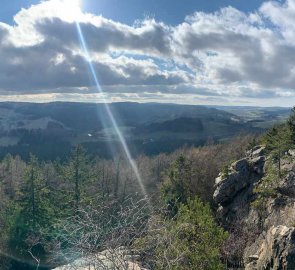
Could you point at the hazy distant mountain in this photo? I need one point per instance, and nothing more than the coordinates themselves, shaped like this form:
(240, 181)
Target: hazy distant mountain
(264, 117)
(49, 130)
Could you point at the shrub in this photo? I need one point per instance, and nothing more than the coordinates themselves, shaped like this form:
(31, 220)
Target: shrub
(191, 240)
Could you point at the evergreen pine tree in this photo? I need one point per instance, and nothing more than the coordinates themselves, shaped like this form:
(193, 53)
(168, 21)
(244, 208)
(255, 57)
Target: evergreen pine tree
(279, 140)
(78, 173)
(34, 215)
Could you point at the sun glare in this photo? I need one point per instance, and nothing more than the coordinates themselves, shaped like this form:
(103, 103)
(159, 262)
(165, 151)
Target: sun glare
(71, 9)
(109, 112)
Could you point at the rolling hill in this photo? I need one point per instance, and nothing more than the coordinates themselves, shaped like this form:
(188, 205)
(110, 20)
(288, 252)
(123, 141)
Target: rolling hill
(49, 130)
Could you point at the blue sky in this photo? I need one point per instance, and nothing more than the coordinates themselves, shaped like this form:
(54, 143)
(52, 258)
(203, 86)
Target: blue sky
(172, 12)
(11, 7)
(127, 11)
(191, 51)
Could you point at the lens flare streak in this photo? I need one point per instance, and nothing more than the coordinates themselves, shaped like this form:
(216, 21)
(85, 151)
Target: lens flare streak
(108, 110)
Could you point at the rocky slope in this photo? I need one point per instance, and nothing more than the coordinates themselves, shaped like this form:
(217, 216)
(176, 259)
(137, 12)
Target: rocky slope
(261, 221)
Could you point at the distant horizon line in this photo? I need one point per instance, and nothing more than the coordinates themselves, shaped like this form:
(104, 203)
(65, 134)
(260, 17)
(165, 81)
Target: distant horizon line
(137, 102)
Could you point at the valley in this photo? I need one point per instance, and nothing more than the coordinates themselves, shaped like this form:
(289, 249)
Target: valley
(150, 128)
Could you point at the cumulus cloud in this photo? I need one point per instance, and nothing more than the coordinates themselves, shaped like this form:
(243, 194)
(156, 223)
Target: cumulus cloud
(226, 53)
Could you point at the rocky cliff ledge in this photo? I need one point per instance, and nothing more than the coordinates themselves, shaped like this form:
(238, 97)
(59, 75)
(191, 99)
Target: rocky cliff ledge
(119, 259)
(268, 223)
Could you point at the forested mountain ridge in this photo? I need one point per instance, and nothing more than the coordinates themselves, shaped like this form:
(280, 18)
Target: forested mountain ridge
(49, 130)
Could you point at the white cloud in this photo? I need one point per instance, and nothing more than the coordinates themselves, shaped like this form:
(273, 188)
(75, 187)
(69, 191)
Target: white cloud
(227, 53)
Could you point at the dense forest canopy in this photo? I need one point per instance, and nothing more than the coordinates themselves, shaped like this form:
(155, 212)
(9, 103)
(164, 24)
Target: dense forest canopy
(39, 198)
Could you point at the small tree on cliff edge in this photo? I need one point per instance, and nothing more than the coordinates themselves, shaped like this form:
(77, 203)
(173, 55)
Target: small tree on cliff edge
(279, 140)
(291, 123)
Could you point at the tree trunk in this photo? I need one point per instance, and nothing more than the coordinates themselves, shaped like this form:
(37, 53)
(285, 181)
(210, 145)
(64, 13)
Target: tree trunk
(77, 187)
(33, 196)
(279, 164)
(116, 189)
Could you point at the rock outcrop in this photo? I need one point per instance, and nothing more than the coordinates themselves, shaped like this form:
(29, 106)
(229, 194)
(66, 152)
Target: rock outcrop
(277, 250)
(119, 259)
(270, 243)
(234, 189)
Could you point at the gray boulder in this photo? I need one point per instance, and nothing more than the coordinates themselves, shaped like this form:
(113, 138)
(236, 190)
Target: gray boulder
(110, 259)
(227, 186)
(242, 174)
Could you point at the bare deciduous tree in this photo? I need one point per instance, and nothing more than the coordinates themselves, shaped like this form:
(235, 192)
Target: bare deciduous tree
(102, 236)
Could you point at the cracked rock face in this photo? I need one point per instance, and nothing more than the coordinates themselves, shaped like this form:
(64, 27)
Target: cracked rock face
(273, 246)
(229, 185)
(234, 190)
(241, 174)
(287, 186)
(277, 250)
